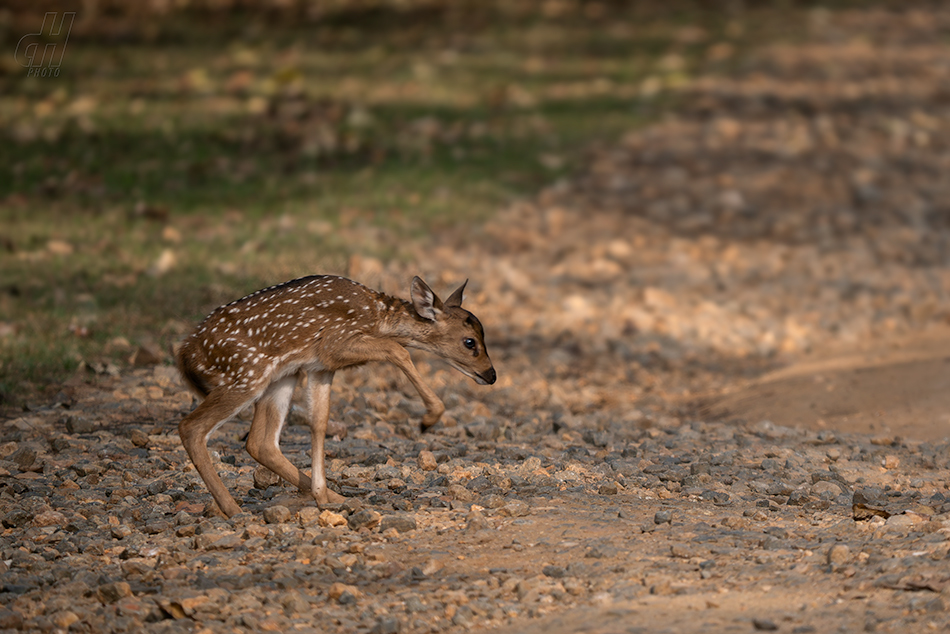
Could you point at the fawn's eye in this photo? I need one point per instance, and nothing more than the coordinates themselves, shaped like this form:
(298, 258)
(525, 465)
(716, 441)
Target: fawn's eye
(469, 343)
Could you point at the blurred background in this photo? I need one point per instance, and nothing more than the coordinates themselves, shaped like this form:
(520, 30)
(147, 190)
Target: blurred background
(650, 198)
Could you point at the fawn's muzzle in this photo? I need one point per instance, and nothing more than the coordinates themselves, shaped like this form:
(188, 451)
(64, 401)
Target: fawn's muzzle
(486, 378)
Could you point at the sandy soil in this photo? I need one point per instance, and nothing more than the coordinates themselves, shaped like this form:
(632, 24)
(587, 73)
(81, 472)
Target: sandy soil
(896, 388)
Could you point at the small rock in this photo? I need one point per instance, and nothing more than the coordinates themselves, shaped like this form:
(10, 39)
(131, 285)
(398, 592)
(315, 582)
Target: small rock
(79, 425)
(401, 523)
(264, 478)
(329, 518)
(663, 517)
(427, 461)
(147, 354)
(476, 521)
(492, 501)
(338, 591)
(839, 554)
(386, 625)
(64, 619)
(891, 462)
(904, 520)
(308, 516)
(121, 531)
(49, 518)
(10, 620)
(460, 493)
(515, 508)
(226, 542)
(23, 458)
(798, 498)
(364, 518)
(432, 566)
(276, 514)
(139, 438)
(555, 572)
(112, 592)
(764, 625)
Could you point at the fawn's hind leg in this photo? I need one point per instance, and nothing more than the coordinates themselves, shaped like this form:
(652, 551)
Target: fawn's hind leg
(263, 439)
(219, 406)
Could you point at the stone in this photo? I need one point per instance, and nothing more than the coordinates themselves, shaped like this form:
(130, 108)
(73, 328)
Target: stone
(139, 438)
(427, 461)
(386, 625)
(338, 591)
(112, 592)
(401, 522)
(460, 493)
(121, 531)
(364, 518)
(309, 516)
(49, 518)
(264, 478)
(277, 514)
(23, 458)
(79, 425)
(475, 521)
(331, 518)
(515, 508)
(839, 554)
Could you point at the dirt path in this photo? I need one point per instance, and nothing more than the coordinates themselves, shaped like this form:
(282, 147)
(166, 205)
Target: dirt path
(894, 388)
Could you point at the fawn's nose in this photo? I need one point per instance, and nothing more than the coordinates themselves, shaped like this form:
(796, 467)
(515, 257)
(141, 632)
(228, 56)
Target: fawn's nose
(489, 376)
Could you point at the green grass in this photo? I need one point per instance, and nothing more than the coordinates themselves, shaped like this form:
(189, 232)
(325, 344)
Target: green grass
(242, 147)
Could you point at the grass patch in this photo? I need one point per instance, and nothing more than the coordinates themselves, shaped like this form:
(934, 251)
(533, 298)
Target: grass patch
(206, 155)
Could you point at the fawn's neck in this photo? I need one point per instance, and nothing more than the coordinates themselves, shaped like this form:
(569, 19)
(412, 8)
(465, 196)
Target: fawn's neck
(400, 322)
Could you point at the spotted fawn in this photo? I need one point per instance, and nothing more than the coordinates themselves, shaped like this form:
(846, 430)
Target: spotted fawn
(255, 351)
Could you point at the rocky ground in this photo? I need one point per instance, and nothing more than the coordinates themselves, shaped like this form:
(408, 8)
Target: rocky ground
(789, 209)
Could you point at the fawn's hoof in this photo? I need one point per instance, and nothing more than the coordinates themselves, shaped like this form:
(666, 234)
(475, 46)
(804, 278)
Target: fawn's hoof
(329, 496)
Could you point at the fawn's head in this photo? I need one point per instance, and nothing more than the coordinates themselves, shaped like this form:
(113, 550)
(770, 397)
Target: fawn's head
(454, 334)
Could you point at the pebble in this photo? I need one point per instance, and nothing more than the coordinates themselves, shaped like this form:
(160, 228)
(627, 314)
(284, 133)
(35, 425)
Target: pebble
(475, 521)
(265, 478)
(277, 514)
(113, 591)
(364, 518)
(515, 508)
(839, 554)
(331, 518)
(427, 461)
(402, 523)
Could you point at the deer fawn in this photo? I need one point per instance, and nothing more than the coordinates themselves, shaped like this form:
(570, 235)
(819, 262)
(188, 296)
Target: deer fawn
(256, 349)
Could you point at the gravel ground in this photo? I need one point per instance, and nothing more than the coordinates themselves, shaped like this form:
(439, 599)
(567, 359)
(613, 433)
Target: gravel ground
(793, 206)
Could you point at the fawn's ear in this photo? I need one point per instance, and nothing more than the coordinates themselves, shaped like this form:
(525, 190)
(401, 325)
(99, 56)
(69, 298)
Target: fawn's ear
(455, 299)
(426, 303)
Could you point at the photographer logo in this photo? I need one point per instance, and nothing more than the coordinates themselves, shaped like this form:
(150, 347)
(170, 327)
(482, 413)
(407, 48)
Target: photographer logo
(42, 53)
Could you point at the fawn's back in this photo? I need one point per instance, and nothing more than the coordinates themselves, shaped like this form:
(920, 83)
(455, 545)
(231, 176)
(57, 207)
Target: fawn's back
(303, 323)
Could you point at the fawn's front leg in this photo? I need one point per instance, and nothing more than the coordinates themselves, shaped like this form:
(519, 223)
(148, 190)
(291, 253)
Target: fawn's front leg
(399, 356)
(194, 430)
(318, 385)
